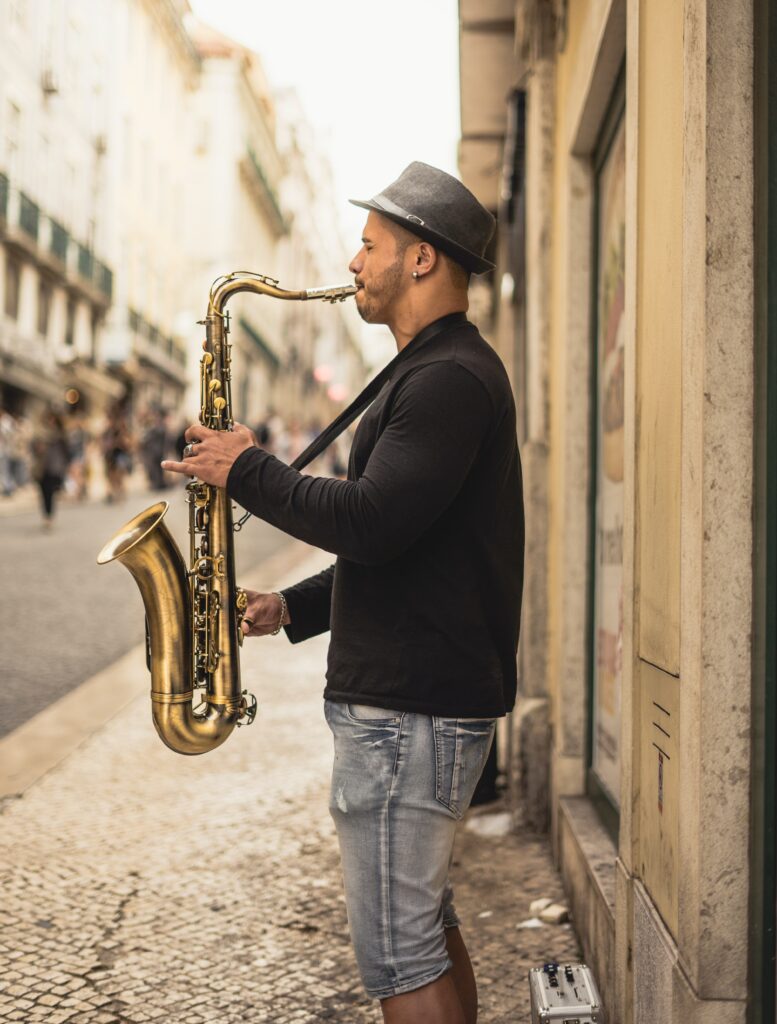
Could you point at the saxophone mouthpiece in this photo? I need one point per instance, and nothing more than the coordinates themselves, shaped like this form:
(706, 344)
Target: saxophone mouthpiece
(335, 293)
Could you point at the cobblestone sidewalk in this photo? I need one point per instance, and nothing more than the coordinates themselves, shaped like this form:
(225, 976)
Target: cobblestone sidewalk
(138, 885)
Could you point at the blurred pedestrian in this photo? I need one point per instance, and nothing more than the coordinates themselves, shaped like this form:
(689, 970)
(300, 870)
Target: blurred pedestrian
(21, 445)
(180, 439)
(78, 441)
(339, 459)
(117, 453)
(7, 428)
(263, 435)
(279, 438)
(154, 449)
(51, 459)
(296, 440)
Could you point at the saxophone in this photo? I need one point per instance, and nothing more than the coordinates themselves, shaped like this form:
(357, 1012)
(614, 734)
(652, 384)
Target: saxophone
(193, 615)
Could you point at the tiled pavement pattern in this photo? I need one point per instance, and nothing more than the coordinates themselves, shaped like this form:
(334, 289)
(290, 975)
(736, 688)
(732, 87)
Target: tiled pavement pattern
(138, 885)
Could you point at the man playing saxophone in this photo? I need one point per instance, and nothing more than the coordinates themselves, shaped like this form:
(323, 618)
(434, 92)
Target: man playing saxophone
(423, 601)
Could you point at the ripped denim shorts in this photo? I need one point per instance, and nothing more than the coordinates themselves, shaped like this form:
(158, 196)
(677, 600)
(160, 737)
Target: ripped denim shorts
(400, 783)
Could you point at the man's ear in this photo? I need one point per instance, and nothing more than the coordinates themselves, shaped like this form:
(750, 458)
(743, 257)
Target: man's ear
(426, 258)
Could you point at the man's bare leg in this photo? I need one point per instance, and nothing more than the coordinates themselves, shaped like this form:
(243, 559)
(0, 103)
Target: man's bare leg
(452, 999)
(462, 974)
(437, 1003)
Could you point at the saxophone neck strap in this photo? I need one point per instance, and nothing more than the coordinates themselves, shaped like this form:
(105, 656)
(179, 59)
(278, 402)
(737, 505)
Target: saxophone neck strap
(370, 393)
(367, 397)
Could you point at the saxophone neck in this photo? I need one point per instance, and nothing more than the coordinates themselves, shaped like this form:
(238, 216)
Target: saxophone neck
(216, 376)
(247, 281)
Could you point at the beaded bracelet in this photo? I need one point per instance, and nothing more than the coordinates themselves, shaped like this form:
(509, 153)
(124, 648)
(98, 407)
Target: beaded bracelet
(284, 606)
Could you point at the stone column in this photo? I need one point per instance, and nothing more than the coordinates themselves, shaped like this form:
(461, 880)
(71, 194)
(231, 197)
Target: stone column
(531, 718)
(689, 942)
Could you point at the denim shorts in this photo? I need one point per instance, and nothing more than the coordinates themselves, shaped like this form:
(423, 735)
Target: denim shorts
(400, 783)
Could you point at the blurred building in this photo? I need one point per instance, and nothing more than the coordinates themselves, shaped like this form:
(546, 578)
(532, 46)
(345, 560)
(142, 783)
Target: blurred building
(234, 218)
(323, 362)
(629, 150)
(140, 158)
(56, 254)
(152, 71)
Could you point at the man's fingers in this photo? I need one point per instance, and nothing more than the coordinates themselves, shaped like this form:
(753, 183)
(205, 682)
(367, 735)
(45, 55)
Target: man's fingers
(177, 467)
(255, 629)
(197, 432)
(258, 618)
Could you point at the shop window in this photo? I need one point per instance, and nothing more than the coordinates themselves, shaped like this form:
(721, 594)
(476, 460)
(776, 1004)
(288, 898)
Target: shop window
(606, 594)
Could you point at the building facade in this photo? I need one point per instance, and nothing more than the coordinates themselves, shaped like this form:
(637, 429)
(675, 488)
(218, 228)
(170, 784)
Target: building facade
(56, 264)
(323, 361)
(235, 221)
(626, 147)
(154, 72)
(139, 160)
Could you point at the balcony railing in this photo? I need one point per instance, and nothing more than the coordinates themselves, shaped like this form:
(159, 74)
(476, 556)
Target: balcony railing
(21, 215)
(59, 242)
(85, 262)
(262, 345)
(103, 278)
(165, 344)
(29, 216)
(267, 190)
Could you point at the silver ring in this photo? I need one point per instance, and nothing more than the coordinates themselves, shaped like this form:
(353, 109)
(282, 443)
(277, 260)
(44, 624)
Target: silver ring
(189, 450)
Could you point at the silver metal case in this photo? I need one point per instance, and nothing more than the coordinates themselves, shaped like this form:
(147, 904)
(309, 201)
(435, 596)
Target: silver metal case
(564, 994)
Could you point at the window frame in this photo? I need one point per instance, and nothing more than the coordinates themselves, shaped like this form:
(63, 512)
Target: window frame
(613, 118)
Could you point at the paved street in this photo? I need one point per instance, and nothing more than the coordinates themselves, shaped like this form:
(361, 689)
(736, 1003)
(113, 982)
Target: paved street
(63, 617)
(138, 885)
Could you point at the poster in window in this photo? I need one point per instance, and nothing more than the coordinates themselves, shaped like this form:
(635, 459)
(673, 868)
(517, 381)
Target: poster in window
(608, 553)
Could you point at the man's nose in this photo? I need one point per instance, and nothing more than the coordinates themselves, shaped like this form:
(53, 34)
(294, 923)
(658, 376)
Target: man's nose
(356, 264)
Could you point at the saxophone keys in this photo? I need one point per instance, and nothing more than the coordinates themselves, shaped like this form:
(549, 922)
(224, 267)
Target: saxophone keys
(241, 603)
(247, 709)
(207, 568)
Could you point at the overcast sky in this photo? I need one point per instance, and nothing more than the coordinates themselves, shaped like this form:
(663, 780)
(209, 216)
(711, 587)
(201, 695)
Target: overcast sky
(379, 81)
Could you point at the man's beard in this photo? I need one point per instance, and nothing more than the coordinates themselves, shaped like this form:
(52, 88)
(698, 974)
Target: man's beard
(382, 293)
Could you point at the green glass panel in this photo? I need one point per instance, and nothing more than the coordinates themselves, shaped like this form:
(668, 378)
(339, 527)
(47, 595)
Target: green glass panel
(29, 216)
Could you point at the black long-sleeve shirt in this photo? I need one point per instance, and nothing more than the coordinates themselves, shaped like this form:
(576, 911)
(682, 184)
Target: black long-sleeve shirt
(424, 600)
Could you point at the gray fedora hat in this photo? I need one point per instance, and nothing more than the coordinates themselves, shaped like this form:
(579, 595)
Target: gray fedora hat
(438, 208)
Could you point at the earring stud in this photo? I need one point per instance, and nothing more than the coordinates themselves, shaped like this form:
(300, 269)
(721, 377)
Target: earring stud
(415, 274)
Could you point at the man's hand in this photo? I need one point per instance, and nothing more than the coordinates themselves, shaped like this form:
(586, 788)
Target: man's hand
(262, 614)
(213, 452)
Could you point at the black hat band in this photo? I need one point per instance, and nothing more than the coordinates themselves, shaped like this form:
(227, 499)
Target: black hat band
(386, 204)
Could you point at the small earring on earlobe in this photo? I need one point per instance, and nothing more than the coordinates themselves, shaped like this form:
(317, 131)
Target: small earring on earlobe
(415, 274)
